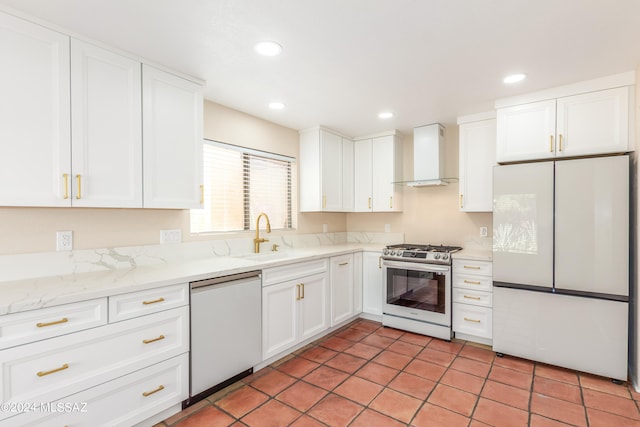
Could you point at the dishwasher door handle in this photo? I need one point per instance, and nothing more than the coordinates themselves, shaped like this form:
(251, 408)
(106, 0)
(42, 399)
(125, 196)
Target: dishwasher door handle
(225, 279)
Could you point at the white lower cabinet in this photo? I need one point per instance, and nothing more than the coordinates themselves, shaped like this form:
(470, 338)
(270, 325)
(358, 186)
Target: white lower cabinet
(372, 282)
(295, 305)
(472, 300)
(342, 288)
(106, 365)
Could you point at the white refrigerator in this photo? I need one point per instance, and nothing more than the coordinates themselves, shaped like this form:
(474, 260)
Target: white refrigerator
(561, 263)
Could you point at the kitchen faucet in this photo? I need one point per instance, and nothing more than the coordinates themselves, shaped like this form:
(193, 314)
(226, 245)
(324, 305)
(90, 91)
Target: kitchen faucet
(258, 240)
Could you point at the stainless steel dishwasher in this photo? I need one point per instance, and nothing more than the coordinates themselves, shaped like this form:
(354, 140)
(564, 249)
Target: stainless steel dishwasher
(226, 331)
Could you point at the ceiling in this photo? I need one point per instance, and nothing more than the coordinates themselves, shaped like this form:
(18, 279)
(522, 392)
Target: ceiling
(344, 61)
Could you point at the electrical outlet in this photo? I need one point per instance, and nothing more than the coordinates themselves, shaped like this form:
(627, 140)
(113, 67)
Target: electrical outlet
(170, 236)
(325, 228)
(64, 240)
(483, 232)
(387, 228)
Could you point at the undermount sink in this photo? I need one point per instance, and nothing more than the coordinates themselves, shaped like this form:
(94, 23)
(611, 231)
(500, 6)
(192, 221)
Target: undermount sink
(265, 256)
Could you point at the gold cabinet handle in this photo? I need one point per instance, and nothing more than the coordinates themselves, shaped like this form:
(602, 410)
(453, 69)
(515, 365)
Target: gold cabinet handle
(560, 141)
(343, 263)
(369, 202)
(471, 320)
(391, 202)
(302, 287)
(551, 144)
(153, 301)
(56, 322)
(149, 393)
(53, 371)
(201, 194)
(461, 201)
(161, 337)
(66, 185)
(379, 262)
(470, 297)
(79, 179)
(298, 292)
(472, 267)
(324, 201)
(471, 282)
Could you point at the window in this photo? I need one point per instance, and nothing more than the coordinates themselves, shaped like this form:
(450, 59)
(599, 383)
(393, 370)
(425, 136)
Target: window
(239, 184)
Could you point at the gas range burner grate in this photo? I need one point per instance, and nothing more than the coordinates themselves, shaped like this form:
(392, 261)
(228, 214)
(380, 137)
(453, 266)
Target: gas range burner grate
(425, 248)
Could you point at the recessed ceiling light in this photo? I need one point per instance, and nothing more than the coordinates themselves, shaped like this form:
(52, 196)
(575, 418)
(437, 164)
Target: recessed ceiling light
(276, 105)
(514, 78)
(268, 48)
(385, 115)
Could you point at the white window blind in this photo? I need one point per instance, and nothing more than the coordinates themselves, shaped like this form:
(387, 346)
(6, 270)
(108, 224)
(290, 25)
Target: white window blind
(239, 184)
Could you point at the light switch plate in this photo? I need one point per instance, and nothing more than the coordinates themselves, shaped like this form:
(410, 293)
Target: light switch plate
(170, 236)
(64, 241)
(483, 232)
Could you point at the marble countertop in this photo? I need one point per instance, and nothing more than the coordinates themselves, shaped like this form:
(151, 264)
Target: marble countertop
(474, 254)
(30, 294)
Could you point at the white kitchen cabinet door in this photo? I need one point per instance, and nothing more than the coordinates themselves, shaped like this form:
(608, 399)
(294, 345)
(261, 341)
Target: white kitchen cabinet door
(342, 288)
(526, 132)
(593, 123)
(592, 225)
(172, 109)
(386, 169)
(347, 175)
(476, 160)
(331, 171)
(279, 317)
(363, 176)
(523, 224)
(372, 281)
(314, 310)
(35, 156)
(106, 131)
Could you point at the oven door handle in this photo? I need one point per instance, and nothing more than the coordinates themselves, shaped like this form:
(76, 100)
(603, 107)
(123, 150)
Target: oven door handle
(416, 266)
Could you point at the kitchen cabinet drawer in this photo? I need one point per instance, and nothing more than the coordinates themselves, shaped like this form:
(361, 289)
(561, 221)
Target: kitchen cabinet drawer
(466, 266)
(135, 397)
(51, 369)
(469, 281)
(271, 276)
(134, 304)
(472, 320)
(473, 297)
(34, 325)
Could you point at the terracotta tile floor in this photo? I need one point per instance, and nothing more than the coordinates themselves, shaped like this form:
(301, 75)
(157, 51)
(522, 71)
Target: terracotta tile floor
(367, 375)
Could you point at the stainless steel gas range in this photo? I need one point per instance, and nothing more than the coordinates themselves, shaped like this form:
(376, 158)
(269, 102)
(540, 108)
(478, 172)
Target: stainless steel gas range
(417, 288)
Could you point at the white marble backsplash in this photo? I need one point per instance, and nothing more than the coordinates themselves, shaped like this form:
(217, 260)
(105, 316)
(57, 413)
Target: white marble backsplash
(47, 264)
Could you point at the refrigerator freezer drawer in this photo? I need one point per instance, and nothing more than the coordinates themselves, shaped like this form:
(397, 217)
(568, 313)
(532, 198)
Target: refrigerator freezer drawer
(585, 334)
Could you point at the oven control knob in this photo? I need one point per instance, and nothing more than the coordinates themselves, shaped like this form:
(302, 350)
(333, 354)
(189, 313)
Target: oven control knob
(436, 256)
(393, 252)
(445, 256)
(385, 252)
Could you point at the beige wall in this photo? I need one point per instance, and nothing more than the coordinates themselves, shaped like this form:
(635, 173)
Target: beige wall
(430, 214)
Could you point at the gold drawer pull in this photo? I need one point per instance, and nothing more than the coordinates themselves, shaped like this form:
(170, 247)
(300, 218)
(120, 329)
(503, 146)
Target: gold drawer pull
(53, 371)
(471, 282)
(472, 267)
(57, 322)
(470, 297)
(471, 320)
(161, 337)
(154, 301)
(343, 263)
(149, 393)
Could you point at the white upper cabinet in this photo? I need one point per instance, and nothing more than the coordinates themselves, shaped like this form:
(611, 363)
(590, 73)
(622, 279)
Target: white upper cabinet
(476, 160)
(35, 160)
(106, 132)
(378, 164)
(172, 140)
(326, 171)
(590, 123)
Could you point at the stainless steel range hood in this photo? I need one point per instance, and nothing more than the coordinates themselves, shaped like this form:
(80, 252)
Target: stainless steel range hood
(428, 157)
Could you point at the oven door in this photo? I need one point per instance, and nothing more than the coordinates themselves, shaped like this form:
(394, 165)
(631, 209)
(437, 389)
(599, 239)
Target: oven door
(417, 291)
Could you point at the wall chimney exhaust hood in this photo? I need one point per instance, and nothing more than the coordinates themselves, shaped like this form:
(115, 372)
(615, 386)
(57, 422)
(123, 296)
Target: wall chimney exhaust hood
(428, 157)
